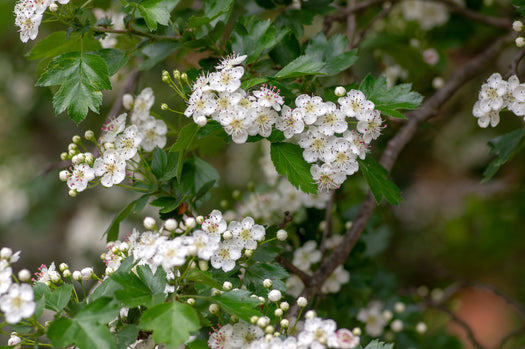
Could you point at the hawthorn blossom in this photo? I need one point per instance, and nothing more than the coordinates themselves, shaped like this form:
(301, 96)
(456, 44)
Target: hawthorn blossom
(372, 316)
(333, 121)
(113, 128)
(214, 225)
(230, 61)
(290, 122)
(263, 119)
(327, 177)
(128, 142)
(111, 167)
(226, 80)
(247, 232)
(492, 93)
(269, 98)
(355, 104)
(344, 158)
(370, 127)
(306, 255)
(333, 283)
(315, 144)
(236, 123)
(17, 303)
(312, 107)
(80, 176)
(318, 333)
(142, 105)
(229, 251)
(153, 133)
(5, 279)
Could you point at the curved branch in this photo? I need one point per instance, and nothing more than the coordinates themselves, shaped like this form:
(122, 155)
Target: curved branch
(428, 109)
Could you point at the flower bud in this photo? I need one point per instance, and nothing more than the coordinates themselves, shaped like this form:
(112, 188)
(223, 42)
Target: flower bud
(267, 283)
(201, 121)
(517, 26)
(310, 314)
(282, 235)
(64, 156)
(227, 286)
(520, 41)
(86, 273)
(14, 339)
(274, 295)
(387, 315)
(227, 235)
(190, 223)
(357, 331)
(200, 219)
(191, 301)
(176, 74)
(53, 7)
(109, 271)
(77, 275)
(438, 82)
(269, 329)
(234, 318)
(164, 106)
(254, 319)
(278, 312)
(203, 265)
(149, 223)
(284, 306)
(421, 327)
(348, 225)
(214, 309)
(24, 275)
(72, 193)
(340, 91)
(89, 135)
(6, 253)
(263, 321)
(184, 77)
(285, 323)
(302, 302)
(170, 224)
(64, 175)
(399, 307)
(248, 253)
(396, 325)
(127, 101)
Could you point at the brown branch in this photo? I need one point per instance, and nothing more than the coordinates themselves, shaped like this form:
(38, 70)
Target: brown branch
(428, 109)
(286, 219)
(380, 15)
(513, 66)
(351, 24)
(293, 269)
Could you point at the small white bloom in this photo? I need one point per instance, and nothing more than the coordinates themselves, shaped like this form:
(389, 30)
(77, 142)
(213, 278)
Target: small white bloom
(269, 98)
(80, 177)
(396, 325)
(86, 273)
(274, 295)
(312, 107)
(371, 315)
(248, 232)
(327, 177)
(113, 128)
(142, 105)
(128, 142)
(291, 121)
(153, 133)
(17, 303)
(226, 80)
(282, 235)
(111, 167)
(355, 104)
(228, 252)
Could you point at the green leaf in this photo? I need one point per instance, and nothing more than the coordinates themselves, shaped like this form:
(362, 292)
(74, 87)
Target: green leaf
(164, 165)
(185, 137)
(238, 302)
(332, 53)
(197, 173)
(113, 229)
(258, 272)
(389, 101)
(171, 323)
(255, 37)
(154, 12)
(81, 78)
(504, 147)
(377, 179)
(155, 282)
(168, 203)
(375, 344)
(288, 161)
(157, 52)
(87, 328)
(114, 58)
(59, 298)
(203, 277)
(127, 336)
(302, 65)
(59, 42)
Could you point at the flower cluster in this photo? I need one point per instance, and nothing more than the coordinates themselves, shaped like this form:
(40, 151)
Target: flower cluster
(118, 146)
(29, 15)
(317, 123)
(497, 94)
(215, 241)
(16, 299)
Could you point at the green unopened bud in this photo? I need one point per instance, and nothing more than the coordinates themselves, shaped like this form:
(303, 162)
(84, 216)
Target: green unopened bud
(176, 74)
(76, 139)
(89, 135)
(184, 77)
(164, 106)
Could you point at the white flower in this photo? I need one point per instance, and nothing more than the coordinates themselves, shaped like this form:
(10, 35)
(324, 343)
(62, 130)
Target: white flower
(492, 93)
(269, 98)
(154, 134)
(143, 103)
(236, 124)
(355, 104)
(290, 122)
(214, 225)
(333, 121)
(306, 255)
(312, 107)
(222, 338)
(111, 167)
(346, 339)
(86, 273)
(226, 80)
(314, 144)
(485, 118)
(244, 334)
(14, 340)
(371, 126)
(517, 104)
(344, 158)
(327, 177)
(248, 232)
(427, 14)
(18, 303)
(263, 119)
(128, 142)
(46, 275)
(201, 104)
(229, 251)
(230, 61)
(357, 143)
(371, 315)
(274, 295)
(113, 128)
(225, 102)
(80, 177)
(170, 253)
(5, 279)
(206, 246)
(29, 26)
(333, 283)
(318, 333)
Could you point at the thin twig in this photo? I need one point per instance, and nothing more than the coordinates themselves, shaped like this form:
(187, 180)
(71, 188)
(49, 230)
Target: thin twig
(128, 87)
(135, 32)
(286, 219)
(351, 25)
(460, 322)
(513, 66)
(293, 269)
(384, 11)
